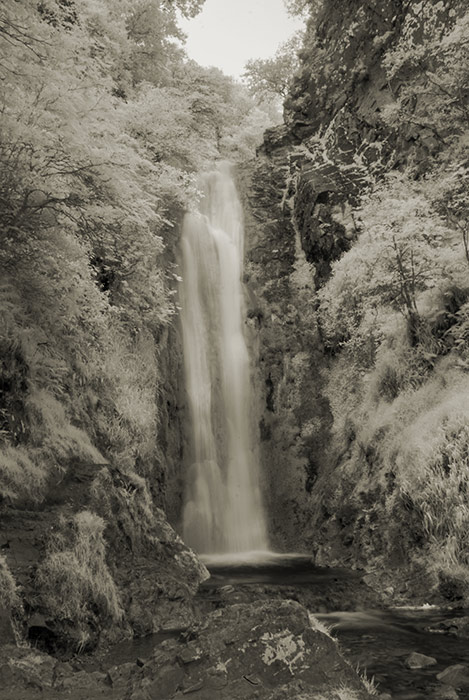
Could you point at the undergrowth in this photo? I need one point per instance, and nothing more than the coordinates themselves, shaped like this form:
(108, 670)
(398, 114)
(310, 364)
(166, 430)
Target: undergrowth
(76, 385)
(124, 501)
(74, 579)
(8, 589)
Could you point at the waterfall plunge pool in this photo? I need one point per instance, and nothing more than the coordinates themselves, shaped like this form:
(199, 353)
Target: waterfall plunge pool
(376, 641)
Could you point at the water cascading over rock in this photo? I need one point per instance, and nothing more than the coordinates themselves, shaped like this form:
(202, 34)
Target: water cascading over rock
(223, 508)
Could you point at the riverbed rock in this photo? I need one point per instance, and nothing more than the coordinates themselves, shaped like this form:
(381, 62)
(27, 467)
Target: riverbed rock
(7, 634)
(416, 660)
(27, 674)
(456, 626)
(119, 676)
(269, 650)
(445, 693)
(456, 676)
(83, 681)
(25, 668)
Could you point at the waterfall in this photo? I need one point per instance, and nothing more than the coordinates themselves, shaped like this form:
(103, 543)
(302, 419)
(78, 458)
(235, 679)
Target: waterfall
(223, 507)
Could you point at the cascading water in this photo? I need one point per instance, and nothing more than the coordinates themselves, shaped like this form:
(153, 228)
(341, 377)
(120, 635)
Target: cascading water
(223, 508)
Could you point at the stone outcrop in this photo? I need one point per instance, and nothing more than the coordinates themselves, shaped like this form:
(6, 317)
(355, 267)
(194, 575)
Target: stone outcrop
(155, 574)
(301, 196)
(272, 650)
(283, 337)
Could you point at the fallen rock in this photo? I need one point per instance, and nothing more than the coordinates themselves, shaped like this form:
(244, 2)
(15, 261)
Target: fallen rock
(33, 675)
(263, 650)
(83, 681)
(456, 626)
(446, 693)
(168, 681)
(416, 660)
(456, 676)
(119, 676)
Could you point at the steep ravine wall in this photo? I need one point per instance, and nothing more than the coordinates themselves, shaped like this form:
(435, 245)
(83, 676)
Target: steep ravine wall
(285, 348)
(94, 559)
(328, 491)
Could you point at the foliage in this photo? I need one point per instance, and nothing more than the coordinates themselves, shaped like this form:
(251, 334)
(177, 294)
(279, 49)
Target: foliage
(302, 8)
(434, 94)
(273, 76)
(103, 124)
(394, 317)
(428, 429)
(405, 249)
(74, 578)
(8, 588)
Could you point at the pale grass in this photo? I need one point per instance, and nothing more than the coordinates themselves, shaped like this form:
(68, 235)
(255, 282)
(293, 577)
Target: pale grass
(74, 576)
(319, 626)
(423, 437)
(51, 426)
(8, 589)
(20, 474)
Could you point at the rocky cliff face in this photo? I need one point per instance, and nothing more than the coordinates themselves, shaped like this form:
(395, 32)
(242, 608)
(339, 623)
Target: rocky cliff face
(331, 488)
(334, 116)
(283, 338)
(93, 559)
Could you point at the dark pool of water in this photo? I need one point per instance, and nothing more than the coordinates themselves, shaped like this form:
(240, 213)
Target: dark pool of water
(268, 568)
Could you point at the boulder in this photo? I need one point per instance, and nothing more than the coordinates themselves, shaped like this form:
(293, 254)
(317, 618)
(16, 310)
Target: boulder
(456, 676)
(416, 660)
(83, 681)
(119, 676)
(25, 668)
(445, 693)
(263, 650)
(456, 626)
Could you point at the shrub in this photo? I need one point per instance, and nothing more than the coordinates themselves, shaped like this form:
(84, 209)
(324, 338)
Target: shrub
(8, 594)
(435, 445)
(124, 500)
(21, 476)
(74, 578)
(405, 250)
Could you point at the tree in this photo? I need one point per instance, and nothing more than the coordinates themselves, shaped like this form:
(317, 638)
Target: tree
(405, 249)
(298, 8)
(434, 94)
(272, 76)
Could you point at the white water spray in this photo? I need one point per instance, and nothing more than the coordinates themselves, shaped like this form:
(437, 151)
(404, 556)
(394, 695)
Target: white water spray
(223, 508)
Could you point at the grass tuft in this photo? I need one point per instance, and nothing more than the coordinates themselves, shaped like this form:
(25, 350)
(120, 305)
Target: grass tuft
(74, 578)
(8, 590)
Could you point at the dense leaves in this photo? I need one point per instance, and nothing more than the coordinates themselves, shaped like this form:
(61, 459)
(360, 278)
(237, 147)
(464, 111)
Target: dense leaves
(394, 313)
(104, 123)
(272, 76)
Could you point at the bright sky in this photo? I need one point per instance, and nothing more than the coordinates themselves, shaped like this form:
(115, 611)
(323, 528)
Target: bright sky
(229, 32)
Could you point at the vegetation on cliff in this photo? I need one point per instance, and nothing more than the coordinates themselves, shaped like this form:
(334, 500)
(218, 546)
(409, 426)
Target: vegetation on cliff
(384, 127)
(104, 123)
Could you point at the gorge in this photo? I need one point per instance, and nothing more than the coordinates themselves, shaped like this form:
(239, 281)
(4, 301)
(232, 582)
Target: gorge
(272, 357)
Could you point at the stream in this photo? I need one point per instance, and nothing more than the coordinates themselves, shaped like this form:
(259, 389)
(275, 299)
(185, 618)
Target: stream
(375, 641)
